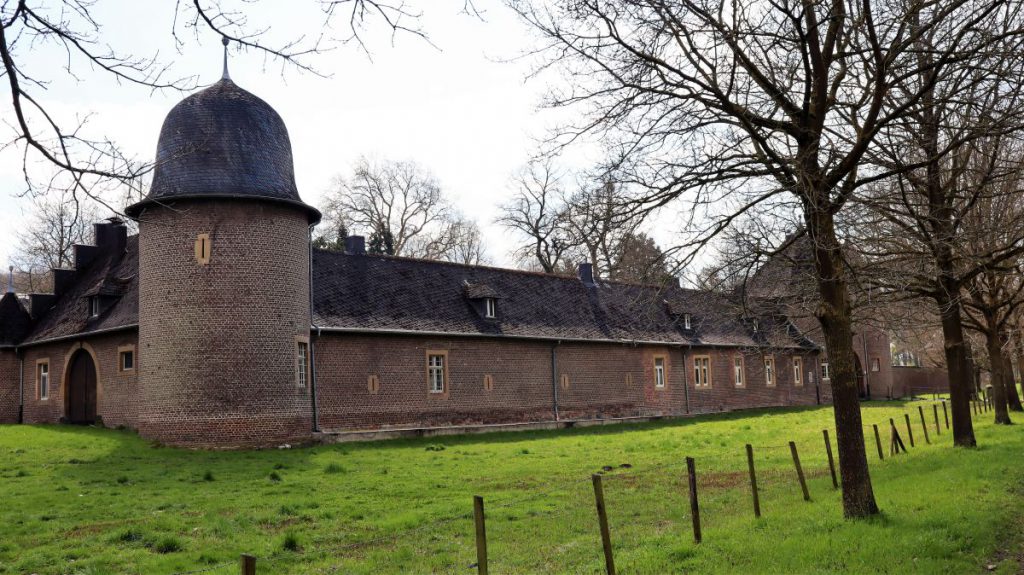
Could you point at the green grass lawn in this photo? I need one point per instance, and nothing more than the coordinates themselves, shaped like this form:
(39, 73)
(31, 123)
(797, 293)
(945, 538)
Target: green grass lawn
(80, 500)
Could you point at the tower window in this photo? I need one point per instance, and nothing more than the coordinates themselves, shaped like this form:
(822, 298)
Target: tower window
(302, 364)
(490, 308)
(203, 249)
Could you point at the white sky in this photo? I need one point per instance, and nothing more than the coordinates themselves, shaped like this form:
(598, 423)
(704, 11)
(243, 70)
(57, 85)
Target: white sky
(459, 109)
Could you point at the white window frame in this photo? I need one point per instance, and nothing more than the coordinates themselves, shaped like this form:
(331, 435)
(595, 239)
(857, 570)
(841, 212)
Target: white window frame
(94, 306)
(686, 321)
(302, 364)
(659, 372)
(769, 371)
(436, 367)
(702, 371)
(43, 379)
(826, 375)
(798, 372)
(739, 377)
(490, 308)
(122, 353)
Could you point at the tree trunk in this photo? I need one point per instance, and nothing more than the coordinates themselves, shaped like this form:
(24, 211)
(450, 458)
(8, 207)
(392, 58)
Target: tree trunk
(1010, 384)
(834, 314)
(995, 357)
(958, 365)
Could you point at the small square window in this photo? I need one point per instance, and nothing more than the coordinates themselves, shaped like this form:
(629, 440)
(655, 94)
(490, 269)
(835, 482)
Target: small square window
(490, 308)
(126, 359)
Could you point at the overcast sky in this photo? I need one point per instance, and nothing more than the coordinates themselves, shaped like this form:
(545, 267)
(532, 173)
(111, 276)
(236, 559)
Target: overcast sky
(463, 108)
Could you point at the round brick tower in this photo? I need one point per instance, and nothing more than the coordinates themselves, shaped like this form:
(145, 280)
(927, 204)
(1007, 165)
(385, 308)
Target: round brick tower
(224, 312)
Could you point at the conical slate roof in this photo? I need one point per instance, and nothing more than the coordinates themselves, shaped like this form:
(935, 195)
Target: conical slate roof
(14, 320)
(223, 142)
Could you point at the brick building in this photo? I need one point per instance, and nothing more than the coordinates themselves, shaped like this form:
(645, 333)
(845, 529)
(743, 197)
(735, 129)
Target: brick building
(217, 325)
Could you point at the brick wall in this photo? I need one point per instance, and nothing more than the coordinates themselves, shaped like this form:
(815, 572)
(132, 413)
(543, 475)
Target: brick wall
(603, 380)
(217, 342)
(117, 392)
(10, 372)
(908, 381)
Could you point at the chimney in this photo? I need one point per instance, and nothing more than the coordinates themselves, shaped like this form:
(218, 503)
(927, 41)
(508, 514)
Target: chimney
(111, 236)
(355, 245)
(586, 273)
(39, 303)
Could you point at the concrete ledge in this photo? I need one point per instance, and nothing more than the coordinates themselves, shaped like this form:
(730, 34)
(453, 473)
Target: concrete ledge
(410, 432)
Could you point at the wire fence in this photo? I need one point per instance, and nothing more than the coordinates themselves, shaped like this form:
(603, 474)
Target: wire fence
(714, 482)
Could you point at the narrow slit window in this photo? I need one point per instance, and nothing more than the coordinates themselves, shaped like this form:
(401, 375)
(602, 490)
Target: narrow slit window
(302, 364)
(798, 368)
(203, 249)
(659, 372)
(737, 368)
(769, 371)
(43, 379)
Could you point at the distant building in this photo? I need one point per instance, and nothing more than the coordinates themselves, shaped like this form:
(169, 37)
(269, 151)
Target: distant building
(218, 326)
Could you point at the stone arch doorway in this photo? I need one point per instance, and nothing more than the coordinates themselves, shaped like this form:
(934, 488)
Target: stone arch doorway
(80, 399)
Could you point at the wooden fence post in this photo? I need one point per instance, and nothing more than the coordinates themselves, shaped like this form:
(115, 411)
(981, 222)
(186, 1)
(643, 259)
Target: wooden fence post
(935, 411)
(945, 414)
(897, 441)
(831, 462)
(248, 565)
(753, 480)
(602, 518)
(910, 430)
(481, 535)
(691, 471)
(878, 442)
(799, 471)
(924, 426)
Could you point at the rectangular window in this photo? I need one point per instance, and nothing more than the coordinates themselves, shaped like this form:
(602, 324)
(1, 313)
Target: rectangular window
(737, 368)
(769, 371)
(798, 369)
(686, 321)
(43, 378)
(436, 372)
(702, 371)
(875, 364)
(302, 364)
(824, 371)
(94, 306)
(126, 360)
(490, 307)
(659, 372)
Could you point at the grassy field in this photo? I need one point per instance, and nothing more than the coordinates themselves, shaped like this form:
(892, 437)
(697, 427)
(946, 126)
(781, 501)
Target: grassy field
(89, 501)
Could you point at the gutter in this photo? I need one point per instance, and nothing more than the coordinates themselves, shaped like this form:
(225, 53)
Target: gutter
(554, 377)
(312, 343)
(359, 330)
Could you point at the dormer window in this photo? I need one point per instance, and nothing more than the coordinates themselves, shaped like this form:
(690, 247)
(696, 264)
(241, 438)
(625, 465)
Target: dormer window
(94, 306)
(686, 321)
(754, 324)
(490, 308)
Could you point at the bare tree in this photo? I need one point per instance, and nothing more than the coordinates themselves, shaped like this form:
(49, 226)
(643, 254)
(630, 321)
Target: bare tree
(48, 237)
(599, 218)
(401, 206)
(537, 213)
(722, 105)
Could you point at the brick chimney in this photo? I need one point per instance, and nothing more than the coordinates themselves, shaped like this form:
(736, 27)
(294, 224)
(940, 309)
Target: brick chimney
(111, 236)
(355, 245)
(586, 273)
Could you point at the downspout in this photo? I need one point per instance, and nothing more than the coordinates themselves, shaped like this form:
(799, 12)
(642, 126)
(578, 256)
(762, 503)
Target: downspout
(554, 377)
(312, 343)
(21, 385)
(686, 385)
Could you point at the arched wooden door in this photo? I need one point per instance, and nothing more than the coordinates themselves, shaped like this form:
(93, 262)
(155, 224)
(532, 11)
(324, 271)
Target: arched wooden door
(81, 390)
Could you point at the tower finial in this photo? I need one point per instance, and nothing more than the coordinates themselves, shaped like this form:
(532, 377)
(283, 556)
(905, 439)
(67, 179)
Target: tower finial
(225, 76)
(10, 279)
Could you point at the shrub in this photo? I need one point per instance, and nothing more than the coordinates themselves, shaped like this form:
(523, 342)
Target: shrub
(291, 543)
(168, 545)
